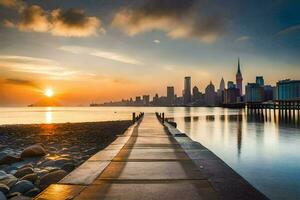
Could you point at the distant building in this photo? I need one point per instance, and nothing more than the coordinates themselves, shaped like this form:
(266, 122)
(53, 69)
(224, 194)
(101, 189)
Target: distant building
(230, 84)
(260, 80)
(170, 95)
(146, 99)
(210, 95)
(254, 93)
(221, 92)
(198, 97)
(187, 96)
(138, 100)
(269, 93)
(231, 95)
(239, 79)
(288, 90)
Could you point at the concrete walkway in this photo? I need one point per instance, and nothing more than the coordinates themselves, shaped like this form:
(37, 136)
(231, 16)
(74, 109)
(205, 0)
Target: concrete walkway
(146, 163)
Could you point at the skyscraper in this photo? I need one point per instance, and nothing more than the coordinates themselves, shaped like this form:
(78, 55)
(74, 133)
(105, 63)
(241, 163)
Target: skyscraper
(170, 95)
(187, 96)
(239, 79)
(260, 80)
(222, 85)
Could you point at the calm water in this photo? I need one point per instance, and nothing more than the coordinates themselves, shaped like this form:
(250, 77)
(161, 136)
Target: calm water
(261, 149)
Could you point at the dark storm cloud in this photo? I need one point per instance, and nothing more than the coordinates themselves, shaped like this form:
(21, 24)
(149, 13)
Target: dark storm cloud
(179, 19)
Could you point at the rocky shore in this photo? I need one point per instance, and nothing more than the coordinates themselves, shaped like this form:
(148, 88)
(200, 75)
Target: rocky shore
(34, 156)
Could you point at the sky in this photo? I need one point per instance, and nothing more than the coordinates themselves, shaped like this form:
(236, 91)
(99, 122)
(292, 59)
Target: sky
(102, 50)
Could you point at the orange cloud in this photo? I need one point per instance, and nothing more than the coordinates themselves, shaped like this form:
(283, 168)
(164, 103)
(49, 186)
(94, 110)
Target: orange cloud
(8, 24)
(66, 23)
(34, 18)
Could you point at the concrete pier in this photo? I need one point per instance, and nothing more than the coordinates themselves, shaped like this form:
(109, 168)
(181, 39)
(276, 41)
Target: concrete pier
(152, 160)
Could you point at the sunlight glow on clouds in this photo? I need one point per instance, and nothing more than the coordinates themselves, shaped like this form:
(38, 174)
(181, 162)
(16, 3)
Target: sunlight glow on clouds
(102, 54)
(38, 66)
(67, 23)
(175, 17)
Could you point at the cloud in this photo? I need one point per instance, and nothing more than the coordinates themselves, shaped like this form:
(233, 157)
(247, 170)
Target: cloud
(38, 66)
(243, 38)
(73, 23)
(102, 54)
(34, 18)
(21, 82)
(8, 24)
(66, 23)
(177, 18)
(15, 4)
(288, 30)
(156, 41)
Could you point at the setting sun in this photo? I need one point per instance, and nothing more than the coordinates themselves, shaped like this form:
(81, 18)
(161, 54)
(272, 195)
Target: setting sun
(49, 92)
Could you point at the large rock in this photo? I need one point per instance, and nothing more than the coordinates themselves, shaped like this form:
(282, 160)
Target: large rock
(33, 151)
(22, 187)
(23, 172)
(52, 177)
(2, 196)
(4, 188)
(8, 159)
(8, 180)
(30, 177)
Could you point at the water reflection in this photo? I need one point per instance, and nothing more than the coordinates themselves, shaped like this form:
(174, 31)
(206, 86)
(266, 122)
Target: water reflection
(48, 116)
(262, 147)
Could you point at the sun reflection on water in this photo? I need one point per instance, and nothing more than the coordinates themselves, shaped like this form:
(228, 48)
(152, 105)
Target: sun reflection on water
(48, 116)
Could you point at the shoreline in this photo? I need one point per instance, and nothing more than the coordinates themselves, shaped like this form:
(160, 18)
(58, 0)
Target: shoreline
(59, 148)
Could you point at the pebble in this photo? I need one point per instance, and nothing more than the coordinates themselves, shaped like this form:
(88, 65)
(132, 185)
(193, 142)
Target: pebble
(8, 180)
(52, 177)
(4, 188)
(2, 196)
(23, 172)
(33, 151)
(8, 159)
(30, 177)
(22, 187)
(33, 192)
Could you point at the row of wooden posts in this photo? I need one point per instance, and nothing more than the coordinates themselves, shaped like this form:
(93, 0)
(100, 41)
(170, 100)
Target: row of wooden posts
(161, 117)
(285, 108)
(137, 118)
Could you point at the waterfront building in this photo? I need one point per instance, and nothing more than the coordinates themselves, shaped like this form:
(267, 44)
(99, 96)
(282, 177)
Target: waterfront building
(210, 95)
(239, 79)
(170, 95)
(187, 96)
(288, 89)
(269, 92)
(254, 93)
(260, 80)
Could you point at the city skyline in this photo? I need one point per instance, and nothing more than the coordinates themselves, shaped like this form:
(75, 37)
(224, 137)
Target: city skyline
(110, 50)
